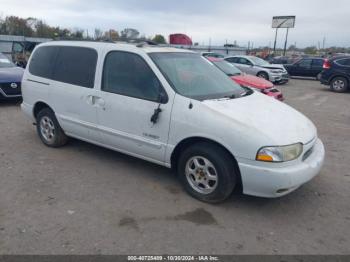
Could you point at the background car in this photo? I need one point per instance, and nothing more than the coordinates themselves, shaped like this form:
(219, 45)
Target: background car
(336, 73)
(256, 66)
(260, 84)
(281, 60)
(309, 67)
(212, 54)
(10, 79)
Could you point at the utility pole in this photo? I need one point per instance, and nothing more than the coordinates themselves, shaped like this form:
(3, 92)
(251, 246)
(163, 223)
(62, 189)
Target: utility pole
(324, 43)
(285, 43)
(274, 46)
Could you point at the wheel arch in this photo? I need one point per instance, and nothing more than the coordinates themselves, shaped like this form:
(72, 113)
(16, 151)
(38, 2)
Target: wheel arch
(185, 143)
(340, 75)
(38, 107)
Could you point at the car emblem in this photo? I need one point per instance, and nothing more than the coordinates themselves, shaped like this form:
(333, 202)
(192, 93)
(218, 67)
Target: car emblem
(13, 85)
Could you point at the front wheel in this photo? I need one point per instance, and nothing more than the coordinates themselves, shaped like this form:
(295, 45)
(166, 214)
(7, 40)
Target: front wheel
(263, 75)
(49, 130)
(207, 172)
(339, 84)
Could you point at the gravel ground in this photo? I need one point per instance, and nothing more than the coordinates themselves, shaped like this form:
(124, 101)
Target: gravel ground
(83, 199)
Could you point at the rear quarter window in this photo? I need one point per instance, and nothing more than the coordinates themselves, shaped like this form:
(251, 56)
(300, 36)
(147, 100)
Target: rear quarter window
(317, 62)
(43, 60)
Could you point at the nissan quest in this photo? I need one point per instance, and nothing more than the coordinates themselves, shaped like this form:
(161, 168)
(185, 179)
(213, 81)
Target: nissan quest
(174, 108)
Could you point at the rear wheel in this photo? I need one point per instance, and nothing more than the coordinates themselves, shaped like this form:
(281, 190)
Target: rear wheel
(49, 130)
(339, 84)
(263, 75)
(207, 172)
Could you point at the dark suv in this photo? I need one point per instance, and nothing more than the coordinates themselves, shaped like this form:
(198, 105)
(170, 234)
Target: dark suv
(336, 73)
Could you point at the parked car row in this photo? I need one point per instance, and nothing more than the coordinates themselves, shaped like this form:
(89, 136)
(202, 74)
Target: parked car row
(254, 82)
(256, 66)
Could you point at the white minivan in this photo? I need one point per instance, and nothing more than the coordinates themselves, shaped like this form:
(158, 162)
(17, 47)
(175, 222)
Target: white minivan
(174, 108)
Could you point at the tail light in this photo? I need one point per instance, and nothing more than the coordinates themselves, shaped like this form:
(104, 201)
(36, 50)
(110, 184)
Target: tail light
(327, 64)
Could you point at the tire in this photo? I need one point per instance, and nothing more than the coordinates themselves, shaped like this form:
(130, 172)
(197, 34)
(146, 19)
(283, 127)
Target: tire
(49, 130)
(339, 84)
(263, 75)
(212, 162)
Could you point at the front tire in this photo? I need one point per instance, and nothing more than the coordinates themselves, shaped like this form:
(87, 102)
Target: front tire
(49, 130)
(339, 84)
(207, 172)
(263, 75)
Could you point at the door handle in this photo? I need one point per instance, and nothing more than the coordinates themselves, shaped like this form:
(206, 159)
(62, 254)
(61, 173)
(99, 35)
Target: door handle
(90, 100)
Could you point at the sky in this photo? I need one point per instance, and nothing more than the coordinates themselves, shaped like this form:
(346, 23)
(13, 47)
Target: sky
(203, 20)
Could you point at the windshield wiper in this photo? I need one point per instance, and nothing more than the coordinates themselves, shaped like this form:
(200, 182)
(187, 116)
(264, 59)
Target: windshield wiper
(233, 96)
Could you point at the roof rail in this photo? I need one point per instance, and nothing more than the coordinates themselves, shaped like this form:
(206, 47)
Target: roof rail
(83, 40)
(139, 41)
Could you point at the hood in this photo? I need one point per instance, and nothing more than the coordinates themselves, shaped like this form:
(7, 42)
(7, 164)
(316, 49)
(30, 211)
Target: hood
(274, 66)
(11, 74)
(253, 81)
(277, 123)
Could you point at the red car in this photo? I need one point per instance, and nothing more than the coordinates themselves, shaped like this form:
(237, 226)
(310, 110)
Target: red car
(254, 82)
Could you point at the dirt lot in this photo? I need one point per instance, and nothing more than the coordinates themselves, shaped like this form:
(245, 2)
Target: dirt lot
(82, 199)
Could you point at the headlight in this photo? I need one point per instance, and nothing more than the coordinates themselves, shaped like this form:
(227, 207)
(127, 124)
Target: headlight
(278, 71)
(280, 153)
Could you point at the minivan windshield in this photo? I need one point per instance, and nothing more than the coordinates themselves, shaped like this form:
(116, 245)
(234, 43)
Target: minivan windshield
(5, 62)
(227, 68)
(193, 76)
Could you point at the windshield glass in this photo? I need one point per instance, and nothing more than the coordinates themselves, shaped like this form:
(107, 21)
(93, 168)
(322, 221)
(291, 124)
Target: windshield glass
(193, 76)
(258, 61)
(5, 62)
(228, 68)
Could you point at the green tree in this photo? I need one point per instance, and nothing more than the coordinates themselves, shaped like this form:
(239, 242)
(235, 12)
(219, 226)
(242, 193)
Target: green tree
(310, 50)
(159, 39)
(129, 33)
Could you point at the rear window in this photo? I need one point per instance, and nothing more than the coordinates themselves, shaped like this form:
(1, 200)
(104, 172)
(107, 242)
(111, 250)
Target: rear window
(43, 60)
(71, 65)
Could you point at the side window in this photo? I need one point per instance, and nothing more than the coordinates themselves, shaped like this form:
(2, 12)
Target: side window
(343, 62)
(76, 66)
(231, 59)
(317, 62)
(128, 74)
(43, 60)
(244, 61)
(305, 63)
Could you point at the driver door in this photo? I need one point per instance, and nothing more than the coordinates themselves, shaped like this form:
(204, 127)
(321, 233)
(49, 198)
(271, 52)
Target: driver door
(130, 93)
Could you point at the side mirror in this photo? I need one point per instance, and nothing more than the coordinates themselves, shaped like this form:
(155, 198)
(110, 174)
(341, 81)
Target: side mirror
(162, 98)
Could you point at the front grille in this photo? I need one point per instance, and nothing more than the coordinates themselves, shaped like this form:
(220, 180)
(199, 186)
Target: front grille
(10, 90)
(308, 153)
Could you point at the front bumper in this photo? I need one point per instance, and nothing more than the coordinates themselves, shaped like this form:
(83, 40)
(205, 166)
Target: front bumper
(279, 78)
(7, 92)
(271, 182)
(275, 93)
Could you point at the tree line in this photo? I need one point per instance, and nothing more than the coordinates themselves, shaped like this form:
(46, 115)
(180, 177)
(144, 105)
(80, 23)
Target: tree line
(33, 27)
